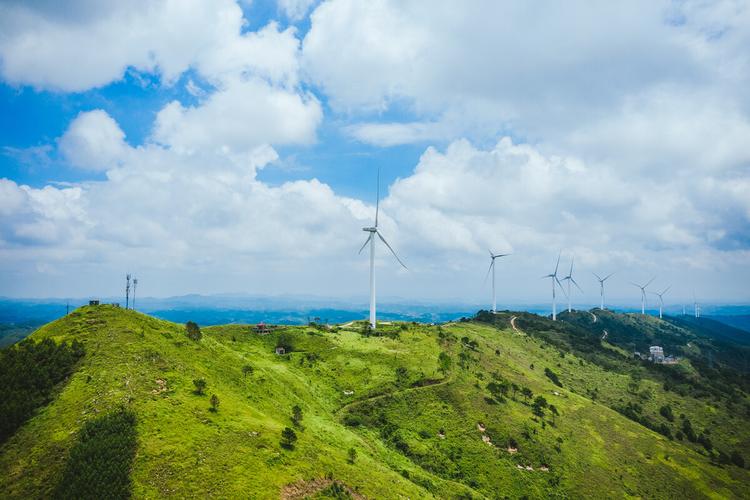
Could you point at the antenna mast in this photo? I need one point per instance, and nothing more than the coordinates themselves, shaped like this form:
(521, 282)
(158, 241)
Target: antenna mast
(127, 290)
(135, 284)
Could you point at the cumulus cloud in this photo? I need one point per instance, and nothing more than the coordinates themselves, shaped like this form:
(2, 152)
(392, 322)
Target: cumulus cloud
(295, 9)
(94, 141)
(241, 116)
(90, 44)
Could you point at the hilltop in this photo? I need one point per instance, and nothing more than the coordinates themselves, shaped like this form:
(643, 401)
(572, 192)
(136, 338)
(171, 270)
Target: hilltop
(505, 405)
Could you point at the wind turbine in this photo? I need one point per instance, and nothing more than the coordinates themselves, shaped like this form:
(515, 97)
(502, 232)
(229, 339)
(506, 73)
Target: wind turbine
(371, 240)
(661, 299)
(601, 287)
(492, 268)
(554, 280)
(570, 280)
(643, 293)
(696, 307)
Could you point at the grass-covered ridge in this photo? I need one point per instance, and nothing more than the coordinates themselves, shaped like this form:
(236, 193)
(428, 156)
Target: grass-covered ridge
(423, 411)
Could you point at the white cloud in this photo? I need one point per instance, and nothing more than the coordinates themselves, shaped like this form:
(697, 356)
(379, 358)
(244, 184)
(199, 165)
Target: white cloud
(241, 116)
(295, 9)
(90, 44)
(94, 141)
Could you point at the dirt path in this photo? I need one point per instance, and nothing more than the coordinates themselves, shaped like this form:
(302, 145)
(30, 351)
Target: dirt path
(605, 334)
(429, 384)
(593, 317)
(513, 325)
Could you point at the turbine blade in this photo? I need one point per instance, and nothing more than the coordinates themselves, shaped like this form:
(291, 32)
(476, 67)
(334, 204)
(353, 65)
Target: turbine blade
(365, 244)
(598, 277)
(558, 262)
(377, 200)
(492, 256)
(636, 284)
(576, 284)
(608, 276)
(492, 263)
(391, 249)
(649, 282)
(561, 287)
(570, 273)
(666, 289)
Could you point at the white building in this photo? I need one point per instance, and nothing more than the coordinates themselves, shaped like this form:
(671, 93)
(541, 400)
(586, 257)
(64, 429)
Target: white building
(657, 354)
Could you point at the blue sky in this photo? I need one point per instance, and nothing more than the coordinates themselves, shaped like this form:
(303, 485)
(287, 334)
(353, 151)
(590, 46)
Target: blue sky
(212, 146)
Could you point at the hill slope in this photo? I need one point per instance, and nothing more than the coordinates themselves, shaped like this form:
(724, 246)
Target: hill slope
(422, 424)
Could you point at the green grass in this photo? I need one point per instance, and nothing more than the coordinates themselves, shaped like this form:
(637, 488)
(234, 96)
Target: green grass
(186, 450)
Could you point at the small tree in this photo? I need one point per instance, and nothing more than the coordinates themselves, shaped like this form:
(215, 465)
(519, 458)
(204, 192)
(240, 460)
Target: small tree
(214, 402)
(296, 415)
(286, 341)
(555, 413)
(352, 454)
(526, 393)
(514, 388)
(666, 412)
(200, 385)
(247, 369)
(288, 438)
(193, 330)
(444, 362)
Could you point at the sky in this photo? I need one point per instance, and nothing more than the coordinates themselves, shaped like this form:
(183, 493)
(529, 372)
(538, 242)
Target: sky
(212, 146)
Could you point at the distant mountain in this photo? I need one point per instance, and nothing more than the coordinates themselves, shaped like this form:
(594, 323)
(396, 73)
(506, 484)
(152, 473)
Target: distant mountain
(500, 405)
(741, 321)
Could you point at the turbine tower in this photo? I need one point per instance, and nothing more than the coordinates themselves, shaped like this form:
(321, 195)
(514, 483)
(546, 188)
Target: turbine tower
(555, 281)
(601, 288)
(661, 299)
(127, 290)
(492, 269)
(371, 240)
(570, 280)
(643, 293)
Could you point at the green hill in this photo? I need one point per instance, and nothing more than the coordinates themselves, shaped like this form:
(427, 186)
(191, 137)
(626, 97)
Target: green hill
(507, 405)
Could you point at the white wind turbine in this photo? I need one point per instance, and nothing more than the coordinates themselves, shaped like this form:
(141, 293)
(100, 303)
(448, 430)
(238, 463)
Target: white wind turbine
(643, 293)
(661, 299)
(601, 287)
(570, 280)
(555, 281)
(492, 269)
(371, 240)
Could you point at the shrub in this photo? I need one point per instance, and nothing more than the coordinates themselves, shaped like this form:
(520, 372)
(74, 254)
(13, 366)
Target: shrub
(193, 330)
(200, 385)
(553, 377)
(666, 412)
(352, 455)
(247, 369)
(296, 415)
(214, 403)
(286, 341)
(288, 438)
(737, 459)
(444, 362)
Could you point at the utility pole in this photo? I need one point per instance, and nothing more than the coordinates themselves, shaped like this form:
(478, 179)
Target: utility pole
(135, 284)
(127, 290)
(67, 307)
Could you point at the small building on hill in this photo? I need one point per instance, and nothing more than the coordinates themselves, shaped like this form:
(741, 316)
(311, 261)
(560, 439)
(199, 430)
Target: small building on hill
(280, 351)
(93, 302)
(262, 329)
(657, 354)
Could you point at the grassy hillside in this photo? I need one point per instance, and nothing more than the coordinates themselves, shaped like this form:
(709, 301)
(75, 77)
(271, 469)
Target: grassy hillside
(435, 411)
